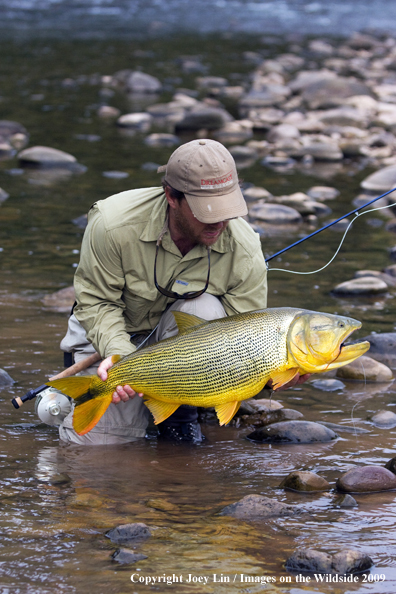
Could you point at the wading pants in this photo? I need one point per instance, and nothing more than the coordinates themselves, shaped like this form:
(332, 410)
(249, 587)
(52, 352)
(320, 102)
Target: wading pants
(127, 421)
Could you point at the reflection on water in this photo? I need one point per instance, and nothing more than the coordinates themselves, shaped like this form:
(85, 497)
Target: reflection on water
(58, 502)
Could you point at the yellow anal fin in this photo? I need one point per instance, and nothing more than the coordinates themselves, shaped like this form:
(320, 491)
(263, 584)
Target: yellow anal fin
(73, 386)
(281, 378)
(88, 414)
(160, 410)
(186, 321)
(226, 411)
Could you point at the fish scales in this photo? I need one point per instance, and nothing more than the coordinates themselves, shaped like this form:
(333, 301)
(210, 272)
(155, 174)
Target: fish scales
(216, 360)
(219, 363)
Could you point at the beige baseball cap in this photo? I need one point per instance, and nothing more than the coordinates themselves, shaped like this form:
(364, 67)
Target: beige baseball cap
(204, 170)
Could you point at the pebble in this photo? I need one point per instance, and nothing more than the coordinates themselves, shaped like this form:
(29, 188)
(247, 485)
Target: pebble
(108, 112)
(304, 481)
(141, 83)
(366, 285)
(345, 501)
(328, 384)
(293, 432)
(253, 405)
(391, 465)
(366, 369)
(385, 419)
(260, 419)
(60, 301)
(383, 347)
(129, 532)
(161, 139)
(115, 174)
(5, 379)
(137, 121)
(275, 214)
(45, 156)
(380, 181)
(3, 195)
(125, 556)
(347, 561)
(364, 479)
(256, 507)
(201, 117)
(255, 193)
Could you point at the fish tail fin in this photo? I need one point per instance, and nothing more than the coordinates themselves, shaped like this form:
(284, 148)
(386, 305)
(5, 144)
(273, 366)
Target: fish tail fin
(89, 409)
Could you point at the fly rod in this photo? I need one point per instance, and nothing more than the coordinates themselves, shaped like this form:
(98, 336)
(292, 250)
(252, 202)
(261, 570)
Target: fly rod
(355, 211)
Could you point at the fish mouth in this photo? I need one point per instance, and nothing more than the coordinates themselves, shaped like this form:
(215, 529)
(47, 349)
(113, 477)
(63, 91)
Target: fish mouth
(349, 352)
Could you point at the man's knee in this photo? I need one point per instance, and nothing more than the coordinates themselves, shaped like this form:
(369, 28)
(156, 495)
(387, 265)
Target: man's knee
(208, 307)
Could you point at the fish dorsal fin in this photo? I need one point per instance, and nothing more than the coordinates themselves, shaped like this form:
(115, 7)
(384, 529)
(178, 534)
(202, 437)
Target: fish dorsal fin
(160, 410)
(186, 321)
(116, 358)
(280, 378)
(87, 414)
(226, 411)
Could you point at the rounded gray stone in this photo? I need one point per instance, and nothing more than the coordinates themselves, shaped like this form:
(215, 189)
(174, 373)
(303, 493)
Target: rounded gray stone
(380, 181)
(293, 432)
(304, 481)
(161, 139)
(125, 556)
(365, 479)
(138, 121)
(129, 533)
(275, 214)
(60, 301)
(384, 418)
(255, 507)
(45, 156)
(328, 384)
(5, 379)
(345, 501)
(365, 285)
(366, 369)
(344, 562)
(383, 347)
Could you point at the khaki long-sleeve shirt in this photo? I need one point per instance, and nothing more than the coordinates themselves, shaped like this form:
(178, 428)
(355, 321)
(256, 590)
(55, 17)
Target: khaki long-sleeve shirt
(114, 281)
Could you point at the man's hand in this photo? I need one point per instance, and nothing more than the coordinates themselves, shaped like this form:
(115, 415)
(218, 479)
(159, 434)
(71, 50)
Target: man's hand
(122, 393)
(297, 379)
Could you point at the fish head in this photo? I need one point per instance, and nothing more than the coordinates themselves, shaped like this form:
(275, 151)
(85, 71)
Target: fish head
(316, 341)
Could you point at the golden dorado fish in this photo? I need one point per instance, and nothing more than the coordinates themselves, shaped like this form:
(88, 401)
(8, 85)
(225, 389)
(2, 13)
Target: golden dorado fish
(219, 363)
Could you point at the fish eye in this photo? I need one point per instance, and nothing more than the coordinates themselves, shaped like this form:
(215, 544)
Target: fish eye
(341, 324)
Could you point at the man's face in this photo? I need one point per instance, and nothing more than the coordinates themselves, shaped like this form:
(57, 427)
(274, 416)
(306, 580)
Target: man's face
(190, 229)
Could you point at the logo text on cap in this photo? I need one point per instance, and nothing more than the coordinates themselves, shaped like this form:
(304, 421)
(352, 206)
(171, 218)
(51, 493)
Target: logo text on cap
(218, 182)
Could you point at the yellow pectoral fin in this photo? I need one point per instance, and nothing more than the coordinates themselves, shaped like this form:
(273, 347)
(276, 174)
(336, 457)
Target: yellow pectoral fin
(281, 378)
(226, 411)
(160, 410)
(115, 358)
(87, 414)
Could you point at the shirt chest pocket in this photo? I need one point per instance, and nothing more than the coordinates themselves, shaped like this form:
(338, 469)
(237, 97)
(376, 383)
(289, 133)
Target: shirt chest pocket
(139, 299)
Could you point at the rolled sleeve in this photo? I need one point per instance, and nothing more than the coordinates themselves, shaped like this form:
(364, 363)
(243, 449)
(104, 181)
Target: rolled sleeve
(99, 283)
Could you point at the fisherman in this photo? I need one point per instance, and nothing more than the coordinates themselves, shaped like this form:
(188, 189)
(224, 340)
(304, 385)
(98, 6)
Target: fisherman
(147, 252)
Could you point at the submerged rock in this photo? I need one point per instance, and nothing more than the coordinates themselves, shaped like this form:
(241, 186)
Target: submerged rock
(380, 181)
(5, 379)
(129, 532)
(328, 384)
(345, 501)
(138, 121)
(161, 139)
(275, 214)
(125, 556)
(3, 195)
(61, 301)
(256, 507)
(252, 405)
(364, 479)
(384, 418)
(46, 156)
(260, 419)
(383, 347)
(391, 465)
(293, 432)
(365, 285)
(366, 369)
(344, 562)
(304, 481)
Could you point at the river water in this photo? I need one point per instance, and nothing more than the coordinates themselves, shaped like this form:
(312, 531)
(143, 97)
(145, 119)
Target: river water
(58, 502)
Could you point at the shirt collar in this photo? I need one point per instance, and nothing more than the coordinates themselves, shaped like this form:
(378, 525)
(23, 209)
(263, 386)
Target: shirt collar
(156, 223)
